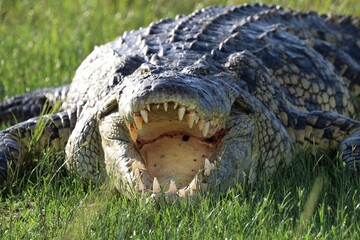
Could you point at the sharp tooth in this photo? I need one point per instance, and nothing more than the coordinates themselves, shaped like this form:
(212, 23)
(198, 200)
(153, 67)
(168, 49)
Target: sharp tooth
(172, 187)
(157, 106)
(193, 185)
(165, 106)
(138, 121)
(137, 173)
(208, 167)
(182, 193)
(213, 122)
(201, 124)
(205, 129)
(144, 115)
(134, 135)
(156, 186)
(148, 107)
(190, 117)
(175, 105)
(196, 118)
(141, 186)
(181, 112)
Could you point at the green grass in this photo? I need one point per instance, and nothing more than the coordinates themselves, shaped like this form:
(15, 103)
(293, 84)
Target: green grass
(42, 43)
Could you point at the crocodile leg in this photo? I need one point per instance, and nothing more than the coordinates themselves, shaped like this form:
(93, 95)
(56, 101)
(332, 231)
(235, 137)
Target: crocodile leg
(34, 134)
(329, 131)
(22, 107)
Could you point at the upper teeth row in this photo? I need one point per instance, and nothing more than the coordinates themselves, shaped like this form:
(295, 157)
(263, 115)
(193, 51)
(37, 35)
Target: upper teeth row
(190, 114)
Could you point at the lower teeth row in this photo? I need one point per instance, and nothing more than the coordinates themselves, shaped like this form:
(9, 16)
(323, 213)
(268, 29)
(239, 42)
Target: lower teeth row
(183, 192)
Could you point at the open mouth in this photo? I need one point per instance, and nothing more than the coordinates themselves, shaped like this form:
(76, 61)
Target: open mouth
(176, 144)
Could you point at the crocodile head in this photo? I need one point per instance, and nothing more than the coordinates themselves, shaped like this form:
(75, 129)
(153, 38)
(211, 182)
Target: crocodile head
(167, 130)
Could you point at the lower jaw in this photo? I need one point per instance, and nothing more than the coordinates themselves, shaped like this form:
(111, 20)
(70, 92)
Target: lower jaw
(178, 169)
(170, 189)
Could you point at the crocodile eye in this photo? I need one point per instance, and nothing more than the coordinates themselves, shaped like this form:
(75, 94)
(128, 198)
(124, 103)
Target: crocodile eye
(146, 68)
(202, 67)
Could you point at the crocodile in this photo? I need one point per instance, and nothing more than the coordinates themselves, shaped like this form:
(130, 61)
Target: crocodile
(203, 101)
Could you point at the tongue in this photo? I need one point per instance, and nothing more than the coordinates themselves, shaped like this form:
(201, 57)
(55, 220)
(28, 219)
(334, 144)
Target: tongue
(178, 157)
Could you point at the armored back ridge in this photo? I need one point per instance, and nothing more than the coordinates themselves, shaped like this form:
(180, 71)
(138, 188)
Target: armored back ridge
(206, 100)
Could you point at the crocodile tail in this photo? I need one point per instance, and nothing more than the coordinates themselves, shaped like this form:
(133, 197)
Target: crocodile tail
(33, 135)
(9, 150)
(22, 107)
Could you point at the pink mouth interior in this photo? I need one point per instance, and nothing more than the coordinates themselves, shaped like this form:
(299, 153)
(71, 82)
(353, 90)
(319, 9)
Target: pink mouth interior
(176, 157)
(170, 149)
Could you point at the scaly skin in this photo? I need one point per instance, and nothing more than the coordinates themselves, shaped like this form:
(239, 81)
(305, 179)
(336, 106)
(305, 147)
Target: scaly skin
(207, 100)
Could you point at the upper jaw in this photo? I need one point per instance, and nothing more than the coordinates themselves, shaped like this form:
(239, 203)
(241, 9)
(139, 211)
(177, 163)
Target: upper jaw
(178, 116)
(209, 97)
